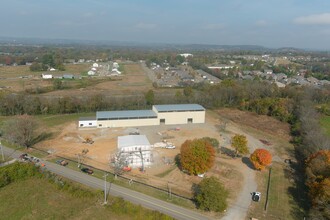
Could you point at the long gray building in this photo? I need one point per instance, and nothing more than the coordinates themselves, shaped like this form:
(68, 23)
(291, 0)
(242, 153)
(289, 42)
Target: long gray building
(160, 114)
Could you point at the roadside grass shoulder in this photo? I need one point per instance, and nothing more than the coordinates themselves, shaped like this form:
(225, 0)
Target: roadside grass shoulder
(325, 123)
(281, 202)
(166, 172)
(39, 198)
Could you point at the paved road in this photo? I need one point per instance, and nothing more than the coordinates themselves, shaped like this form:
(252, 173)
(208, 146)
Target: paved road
(127, 194)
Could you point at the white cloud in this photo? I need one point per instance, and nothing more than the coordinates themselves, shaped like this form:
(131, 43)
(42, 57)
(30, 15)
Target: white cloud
(145, 26)
(214, 26)
(313, 19)
(261, 23)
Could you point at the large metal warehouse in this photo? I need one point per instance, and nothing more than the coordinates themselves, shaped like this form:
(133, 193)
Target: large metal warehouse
(131, 118)
(180, 114)
(160, 114)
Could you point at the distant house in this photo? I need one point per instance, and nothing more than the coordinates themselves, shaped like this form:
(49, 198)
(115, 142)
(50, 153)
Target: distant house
(280, 85)
(91, 73)
(95, 65)
(115, 65)
(52, 69)
(47, 76)
(269, 72)
(68, 76)
(221, 67)
(185, 55)
(313, 80)
(281, 76)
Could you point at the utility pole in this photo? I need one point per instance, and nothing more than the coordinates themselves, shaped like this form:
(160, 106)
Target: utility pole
(105, 188)
(3, 156)
(169, 190)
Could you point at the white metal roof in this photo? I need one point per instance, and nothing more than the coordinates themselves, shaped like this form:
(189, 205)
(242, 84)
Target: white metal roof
(179, 108)
(132, 140)
(132, 114)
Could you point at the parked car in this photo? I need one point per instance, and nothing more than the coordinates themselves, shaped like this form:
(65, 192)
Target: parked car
(87, 170)
(170, 146)
(256, 196)
(34, 159)
(201, 175)
(62, 162)
(24, 157)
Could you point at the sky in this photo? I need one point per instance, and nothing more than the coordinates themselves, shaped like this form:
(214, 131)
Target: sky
(270, 23)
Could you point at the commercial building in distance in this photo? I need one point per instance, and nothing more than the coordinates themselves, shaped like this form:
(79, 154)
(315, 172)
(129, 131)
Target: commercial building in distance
(160, 114)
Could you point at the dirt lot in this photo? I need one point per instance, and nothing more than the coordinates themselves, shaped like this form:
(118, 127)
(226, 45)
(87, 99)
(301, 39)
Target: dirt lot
(69, 143)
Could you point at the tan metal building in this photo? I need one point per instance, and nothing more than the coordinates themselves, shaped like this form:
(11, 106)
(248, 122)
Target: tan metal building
(160, 114)
(180, 113)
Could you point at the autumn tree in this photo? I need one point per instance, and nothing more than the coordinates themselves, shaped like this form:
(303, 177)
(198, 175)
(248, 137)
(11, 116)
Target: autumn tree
(318, 181)
(261, 158)
(21, 130)
(239, 142)
(196, 156)
(210, 195)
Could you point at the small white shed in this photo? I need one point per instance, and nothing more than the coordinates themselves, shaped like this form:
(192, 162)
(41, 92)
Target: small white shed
(87, 122)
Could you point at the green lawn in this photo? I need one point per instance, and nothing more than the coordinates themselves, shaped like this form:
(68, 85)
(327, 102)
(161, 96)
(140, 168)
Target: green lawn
(325, 122)
(55, 120)
(36, 198)
(281, 204)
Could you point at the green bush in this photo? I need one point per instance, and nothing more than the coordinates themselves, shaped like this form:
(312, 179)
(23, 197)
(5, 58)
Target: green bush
(16, 172)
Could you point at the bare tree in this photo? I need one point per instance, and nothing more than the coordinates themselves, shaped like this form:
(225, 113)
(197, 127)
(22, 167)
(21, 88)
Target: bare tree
(22, 130)
(81, 156)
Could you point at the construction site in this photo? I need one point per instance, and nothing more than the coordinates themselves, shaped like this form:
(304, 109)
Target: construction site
(152, 161)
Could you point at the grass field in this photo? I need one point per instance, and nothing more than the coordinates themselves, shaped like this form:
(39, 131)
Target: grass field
(17, 71)
(36, 198)
(325, 122)
(55, 120)
(281, 204)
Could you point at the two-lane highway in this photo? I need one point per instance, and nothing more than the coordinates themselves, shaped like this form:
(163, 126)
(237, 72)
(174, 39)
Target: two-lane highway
(115, 190)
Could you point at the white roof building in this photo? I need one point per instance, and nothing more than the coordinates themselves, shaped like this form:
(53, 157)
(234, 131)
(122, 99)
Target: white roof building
(47, 76)
(185, 55)
(96, 65)
(135, 150)
(91, 73)
(115, 65)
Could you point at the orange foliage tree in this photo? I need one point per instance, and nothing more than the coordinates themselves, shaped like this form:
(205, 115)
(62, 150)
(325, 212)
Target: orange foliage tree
(196, 156)
(318, 180)
(261, 158)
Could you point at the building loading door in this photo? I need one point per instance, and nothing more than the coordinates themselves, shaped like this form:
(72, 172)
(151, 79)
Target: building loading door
(162, 121)
(190, 120)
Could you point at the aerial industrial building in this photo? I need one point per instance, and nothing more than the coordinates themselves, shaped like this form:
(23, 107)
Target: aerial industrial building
(160, 114)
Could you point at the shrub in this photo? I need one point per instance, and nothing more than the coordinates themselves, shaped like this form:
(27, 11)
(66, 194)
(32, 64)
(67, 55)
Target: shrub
(261, 158)
(210, 195)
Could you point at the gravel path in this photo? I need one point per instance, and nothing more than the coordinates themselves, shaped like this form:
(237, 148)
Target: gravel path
(239, 209)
